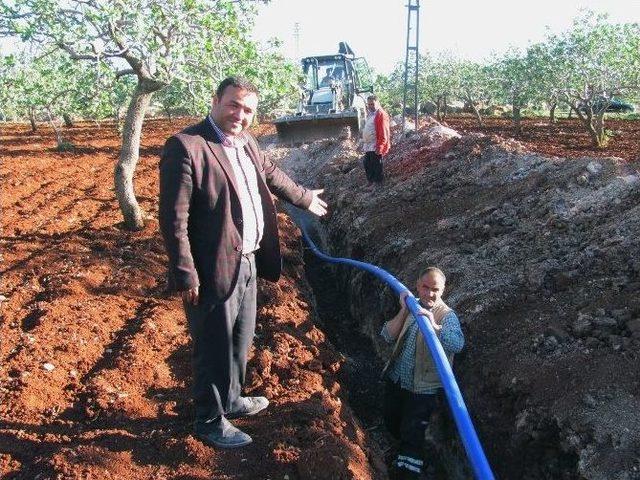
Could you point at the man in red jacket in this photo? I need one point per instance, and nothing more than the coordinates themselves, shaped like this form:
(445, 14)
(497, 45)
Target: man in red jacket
(376, 139)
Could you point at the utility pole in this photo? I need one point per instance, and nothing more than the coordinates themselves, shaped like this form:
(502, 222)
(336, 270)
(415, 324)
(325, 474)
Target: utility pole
(411, 62)
(296, 40)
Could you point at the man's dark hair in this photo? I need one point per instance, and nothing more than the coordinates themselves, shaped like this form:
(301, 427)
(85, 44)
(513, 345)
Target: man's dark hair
(373, 97)
(237, 82)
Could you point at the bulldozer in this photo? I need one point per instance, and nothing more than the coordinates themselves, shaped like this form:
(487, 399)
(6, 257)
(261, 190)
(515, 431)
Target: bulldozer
(332, 97)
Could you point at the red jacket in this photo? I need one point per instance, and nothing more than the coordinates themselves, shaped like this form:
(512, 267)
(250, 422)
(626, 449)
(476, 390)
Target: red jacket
(383, 132)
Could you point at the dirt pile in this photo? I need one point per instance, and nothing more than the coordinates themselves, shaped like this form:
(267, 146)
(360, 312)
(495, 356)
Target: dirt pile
(542, 260)
(94, 357)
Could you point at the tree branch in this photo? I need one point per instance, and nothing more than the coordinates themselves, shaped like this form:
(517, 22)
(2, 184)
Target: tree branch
(122, 73)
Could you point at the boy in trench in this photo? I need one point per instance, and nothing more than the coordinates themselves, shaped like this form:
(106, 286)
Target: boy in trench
(412, 383)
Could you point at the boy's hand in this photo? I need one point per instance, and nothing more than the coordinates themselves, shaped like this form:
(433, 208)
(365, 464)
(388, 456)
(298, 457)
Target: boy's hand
(190, 296)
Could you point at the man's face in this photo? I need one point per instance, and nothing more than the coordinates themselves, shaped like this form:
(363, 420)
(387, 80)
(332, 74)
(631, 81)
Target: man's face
(234, 111)
(372, 105)
(430, 288)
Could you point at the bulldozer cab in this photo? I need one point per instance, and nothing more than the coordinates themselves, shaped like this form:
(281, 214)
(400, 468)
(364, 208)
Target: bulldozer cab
(326, 77)
(333, 97)
(320, 73)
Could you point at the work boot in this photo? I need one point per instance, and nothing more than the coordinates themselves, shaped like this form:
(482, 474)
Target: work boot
(396, 473)
(247, 406)
(221, 433)
(408, 468)
(404, 474)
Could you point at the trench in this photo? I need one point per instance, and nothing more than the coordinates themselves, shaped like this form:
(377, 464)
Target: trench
(362, 367)
(529, 455)
(523, 436)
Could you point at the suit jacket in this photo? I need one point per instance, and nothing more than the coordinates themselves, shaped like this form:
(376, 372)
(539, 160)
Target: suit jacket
(201, 217)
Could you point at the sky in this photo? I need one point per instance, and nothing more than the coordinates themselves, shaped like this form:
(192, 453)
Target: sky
(376, 29)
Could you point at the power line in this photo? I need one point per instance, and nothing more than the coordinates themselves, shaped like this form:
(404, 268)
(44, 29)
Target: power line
(296, 40)
(411, 60)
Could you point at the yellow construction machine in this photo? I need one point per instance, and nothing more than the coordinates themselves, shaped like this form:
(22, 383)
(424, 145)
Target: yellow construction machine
(333, 96)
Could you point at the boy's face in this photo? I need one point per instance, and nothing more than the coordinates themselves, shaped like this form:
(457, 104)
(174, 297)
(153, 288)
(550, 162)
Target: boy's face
(430, 288)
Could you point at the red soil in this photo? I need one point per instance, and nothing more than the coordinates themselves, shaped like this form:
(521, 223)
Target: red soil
(94, 356)
(567, 138)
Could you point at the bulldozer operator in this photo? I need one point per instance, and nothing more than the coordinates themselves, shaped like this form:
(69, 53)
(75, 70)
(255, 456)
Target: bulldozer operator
(327, 79)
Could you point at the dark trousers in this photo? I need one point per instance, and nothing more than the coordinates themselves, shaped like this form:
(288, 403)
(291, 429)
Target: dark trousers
(406, 416)
(221, 336)
(373, 166)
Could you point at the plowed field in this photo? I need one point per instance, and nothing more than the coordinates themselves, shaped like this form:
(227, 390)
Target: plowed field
(95, 356)
(567, 138)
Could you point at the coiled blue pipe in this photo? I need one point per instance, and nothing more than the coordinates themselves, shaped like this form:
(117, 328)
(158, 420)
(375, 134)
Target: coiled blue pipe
(470, 440)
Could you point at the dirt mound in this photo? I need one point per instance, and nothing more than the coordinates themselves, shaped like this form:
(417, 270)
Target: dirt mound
(542, 259)
(94, 358)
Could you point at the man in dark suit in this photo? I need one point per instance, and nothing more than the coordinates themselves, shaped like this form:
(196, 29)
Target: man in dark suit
(219, 225)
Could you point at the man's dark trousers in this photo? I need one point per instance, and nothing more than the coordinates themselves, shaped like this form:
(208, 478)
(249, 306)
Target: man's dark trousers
(221, 336)
(373, 166)
(406, 415)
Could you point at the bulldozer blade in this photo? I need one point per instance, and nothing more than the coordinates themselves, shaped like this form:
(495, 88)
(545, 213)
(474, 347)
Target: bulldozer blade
(298, 130)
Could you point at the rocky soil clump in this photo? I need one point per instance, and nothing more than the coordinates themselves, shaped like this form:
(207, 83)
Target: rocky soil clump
(543, 265)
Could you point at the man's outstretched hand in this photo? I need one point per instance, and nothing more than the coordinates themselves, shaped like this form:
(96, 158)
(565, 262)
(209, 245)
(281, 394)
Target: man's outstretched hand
(190, 296)
(318, 206)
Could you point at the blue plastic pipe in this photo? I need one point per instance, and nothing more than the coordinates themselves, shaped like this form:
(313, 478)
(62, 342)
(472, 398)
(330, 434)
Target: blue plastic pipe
(470, 440)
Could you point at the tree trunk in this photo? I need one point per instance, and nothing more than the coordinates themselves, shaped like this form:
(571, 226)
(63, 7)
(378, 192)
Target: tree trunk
(32, 120)
(118, 121)
(476, 112)
(130, 153)
(552, 113)
(595, 139)
(595, 127)
(68, 121)
(444, 110)
(56, 130)
(516, 118)
(439, 109)
(570, 113)
(601, 137)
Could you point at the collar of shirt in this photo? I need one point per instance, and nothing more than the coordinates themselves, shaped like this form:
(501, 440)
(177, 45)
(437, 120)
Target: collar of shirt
(238, 141)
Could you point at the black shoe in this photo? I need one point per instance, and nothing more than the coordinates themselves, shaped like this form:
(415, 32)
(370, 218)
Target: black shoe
(247, 406)
(221, 433)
